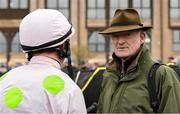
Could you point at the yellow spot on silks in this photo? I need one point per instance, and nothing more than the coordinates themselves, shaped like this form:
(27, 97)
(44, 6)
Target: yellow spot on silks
(53, 84)
(13, 97)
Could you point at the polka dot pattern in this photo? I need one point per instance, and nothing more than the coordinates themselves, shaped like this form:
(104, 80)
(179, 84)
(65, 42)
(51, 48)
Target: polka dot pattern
(13, 97)
(53, 84)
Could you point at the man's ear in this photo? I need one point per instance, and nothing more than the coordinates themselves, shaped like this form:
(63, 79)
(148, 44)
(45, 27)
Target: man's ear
(142, 37)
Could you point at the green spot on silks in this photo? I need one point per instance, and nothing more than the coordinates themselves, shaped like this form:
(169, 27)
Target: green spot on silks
(13, 97)
(53, 84)
(3, 76)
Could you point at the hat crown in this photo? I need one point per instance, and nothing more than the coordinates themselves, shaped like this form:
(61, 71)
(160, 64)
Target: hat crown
(126, 17)
(125, 20)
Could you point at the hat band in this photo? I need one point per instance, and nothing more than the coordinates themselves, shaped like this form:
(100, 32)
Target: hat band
(125, 24)
(31, 48)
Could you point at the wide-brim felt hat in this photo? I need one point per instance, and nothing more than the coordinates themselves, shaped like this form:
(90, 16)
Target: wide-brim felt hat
(125, 20)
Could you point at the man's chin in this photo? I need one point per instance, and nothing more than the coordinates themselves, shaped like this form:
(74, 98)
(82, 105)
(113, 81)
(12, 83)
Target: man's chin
(123, 57)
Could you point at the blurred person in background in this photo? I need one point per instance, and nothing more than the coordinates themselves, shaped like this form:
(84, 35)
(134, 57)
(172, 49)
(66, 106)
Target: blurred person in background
(171, 61)
(69, 69)
(41, 86)
(174, 64)
(83, 65)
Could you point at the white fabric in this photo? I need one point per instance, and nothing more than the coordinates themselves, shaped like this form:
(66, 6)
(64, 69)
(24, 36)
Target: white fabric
(42, 26)
(36, 99)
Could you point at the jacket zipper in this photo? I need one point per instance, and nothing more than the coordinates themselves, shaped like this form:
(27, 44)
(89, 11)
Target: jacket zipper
(122, 73)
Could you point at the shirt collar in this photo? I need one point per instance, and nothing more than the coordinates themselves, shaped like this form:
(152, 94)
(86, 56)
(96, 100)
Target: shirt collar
(44, 60)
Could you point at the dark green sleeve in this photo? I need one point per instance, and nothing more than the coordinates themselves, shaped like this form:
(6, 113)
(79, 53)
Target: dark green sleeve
(168, 88)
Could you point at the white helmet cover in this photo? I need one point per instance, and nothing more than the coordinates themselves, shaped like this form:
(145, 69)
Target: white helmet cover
(43, 29)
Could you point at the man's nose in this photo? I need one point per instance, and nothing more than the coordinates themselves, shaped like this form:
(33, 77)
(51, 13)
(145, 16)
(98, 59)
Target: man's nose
(120, 40)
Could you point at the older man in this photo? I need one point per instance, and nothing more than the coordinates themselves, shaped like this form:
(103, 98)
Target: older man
(124, 87)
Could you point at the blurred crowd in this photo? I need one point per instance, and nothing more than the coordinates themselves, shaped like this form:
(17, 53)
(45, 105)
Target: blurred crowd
(83, 65)
(89, 65)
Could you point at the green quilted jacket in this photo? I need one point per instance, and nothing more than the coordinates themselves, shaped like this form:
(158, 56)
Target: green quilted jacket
(126, 91)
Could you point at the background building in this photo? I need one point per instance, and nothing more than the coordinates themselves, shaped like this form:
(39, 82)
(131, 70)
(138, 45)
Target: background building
(89, 17)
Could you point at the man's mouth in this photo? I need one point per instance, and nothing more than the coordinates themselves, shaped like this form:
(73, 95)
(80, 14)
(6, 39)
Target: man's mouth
(121, 48)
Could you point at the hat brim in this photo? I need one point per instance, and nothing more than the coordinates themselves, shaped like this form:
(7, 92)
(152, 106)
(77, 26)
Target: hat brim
(116, 29)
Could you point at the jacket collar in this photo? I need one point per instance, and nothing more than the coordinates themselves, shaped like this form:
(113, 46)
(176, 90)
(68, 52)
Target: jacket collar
(44, 61)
